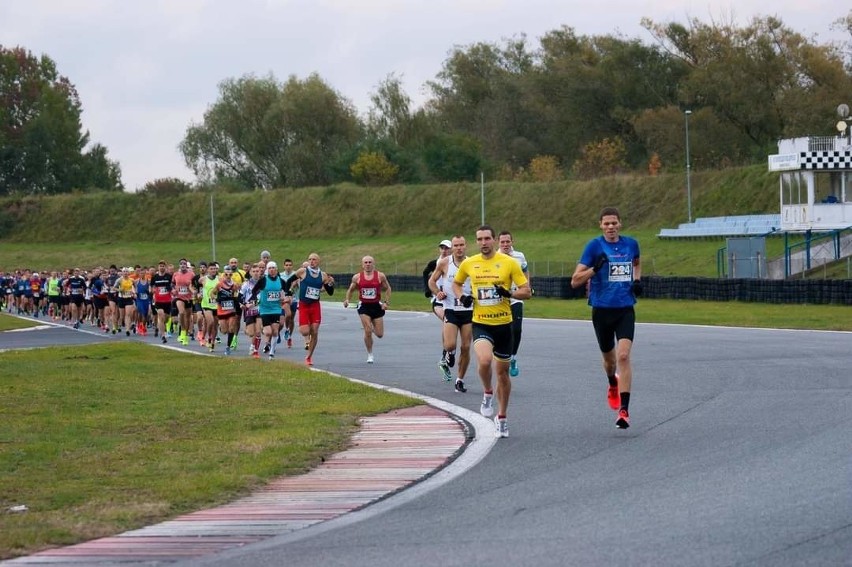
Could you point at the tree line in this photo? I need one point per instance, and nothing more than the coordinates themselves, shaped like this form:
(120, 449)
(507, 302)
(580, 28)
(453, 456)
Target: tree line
(571, 106)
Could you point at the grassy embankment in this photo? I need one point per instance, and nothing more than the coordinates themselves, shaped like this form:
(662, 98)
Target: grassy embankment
(400, 226)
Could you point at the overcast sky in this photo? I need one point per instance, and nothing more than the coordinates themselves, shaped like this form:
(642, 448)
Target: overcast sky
(147, 69)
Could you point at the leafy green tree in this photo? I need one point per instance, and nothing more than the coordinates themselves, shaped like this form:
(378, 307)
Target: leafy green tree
(99, 171)
(41, 138)
(589, 88)
(764, 79)
(263, 134)
(481, 92)
(453, 158)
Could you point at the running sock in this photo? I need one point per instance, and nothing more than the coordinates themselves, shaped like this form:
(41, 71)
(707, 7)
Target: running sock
(625, 400)
(272, 347)
(489, 392)
(499, 416)
(612, 380)
(230, 339)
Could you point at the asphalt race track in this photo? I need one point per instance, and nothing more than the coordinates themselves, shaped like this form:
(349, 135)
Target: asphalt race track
(738, 452)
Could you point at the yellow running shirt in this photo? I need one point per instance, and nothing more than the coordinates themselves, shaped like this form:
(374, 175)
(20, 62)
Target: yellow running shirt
(489, 308)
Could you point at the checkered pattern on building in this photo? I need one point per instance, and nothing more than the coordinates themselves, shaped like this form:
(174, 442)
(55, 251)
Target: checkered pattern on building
(826, 160)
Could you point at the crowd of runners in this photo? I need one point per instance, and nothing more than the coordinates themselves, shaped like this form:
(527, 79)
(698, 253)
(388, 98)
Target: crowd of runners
(205, 303)
(478, 299)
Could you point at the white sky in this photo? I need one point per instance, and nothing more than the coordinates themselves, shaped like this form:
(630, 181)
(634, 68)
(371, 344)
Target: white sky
(147, 69)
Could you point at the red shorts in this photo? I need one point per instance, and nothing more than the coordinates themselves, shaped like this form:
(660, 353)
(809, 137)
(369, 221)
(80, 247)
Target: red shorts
(310, 313)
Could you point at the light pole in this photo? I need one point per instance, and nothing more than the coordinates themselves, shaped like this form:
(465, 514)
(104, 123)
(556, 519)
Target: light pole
(686, 114)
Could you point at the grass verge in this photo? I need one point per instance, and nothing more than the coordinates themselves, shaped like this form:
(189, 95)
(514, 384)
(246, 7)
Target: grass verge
(8, 323)
(100, 439)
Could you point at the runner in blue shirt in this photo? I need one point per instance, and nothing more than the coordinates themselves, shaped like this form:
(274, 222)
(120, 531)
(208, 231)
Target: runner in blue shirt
(610, 263)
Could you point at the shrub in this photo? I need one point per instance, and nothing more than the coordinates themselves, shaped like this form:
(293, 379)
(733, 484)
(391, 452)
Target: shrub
(545, 169)
(598, 159)
(166, 187)
(373, 169)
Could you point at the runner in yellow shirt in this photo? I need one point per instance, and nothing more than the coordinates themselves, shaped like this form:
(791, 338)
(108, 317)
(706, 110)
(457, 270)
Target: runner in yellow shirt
(492, 275)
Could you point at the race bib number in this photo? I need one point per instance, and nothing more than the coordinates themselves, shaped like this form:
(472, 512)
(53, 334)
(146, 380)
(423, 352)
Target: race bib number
(143, 297)
(487, 296)
(368, 293)
(273, 295)
(183, 289)
(312, 292)
(162, 291)
(620, 271)
(227, 305)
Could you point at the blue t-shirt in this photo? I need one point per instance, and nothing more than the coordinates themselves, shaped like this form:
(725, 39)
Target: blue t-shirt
(612, 285)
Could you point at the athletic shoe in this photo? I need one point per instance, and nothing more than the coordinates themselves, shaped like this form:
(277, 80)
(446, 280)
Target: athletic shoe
(169, 335)
(234, 343)
(278, 340)
(199, 336)
(369, 358)
(255, 354)
(212, 346)
(460, 386)
(287, 334)
(227, 351)
(271, 356)
(77, 326)
(501, 427)
(289, 343)
(451, 359)
(612, 396)
(156, 333)
(487, 406)
(266, 348)
(445, 370)
(218, 340)
(127, 333)
(307, 343)
(513, 368)
(308, 361)
(165, 340)
(623, 421)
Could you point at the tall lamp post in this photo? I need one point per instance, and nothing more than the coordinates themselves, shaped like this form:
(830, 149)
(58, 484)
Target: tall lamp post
(686, 114)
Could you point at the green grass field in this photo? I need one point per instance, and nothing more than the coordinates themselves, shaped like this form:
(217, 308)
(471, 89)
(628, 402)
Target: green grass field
(100, 439)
